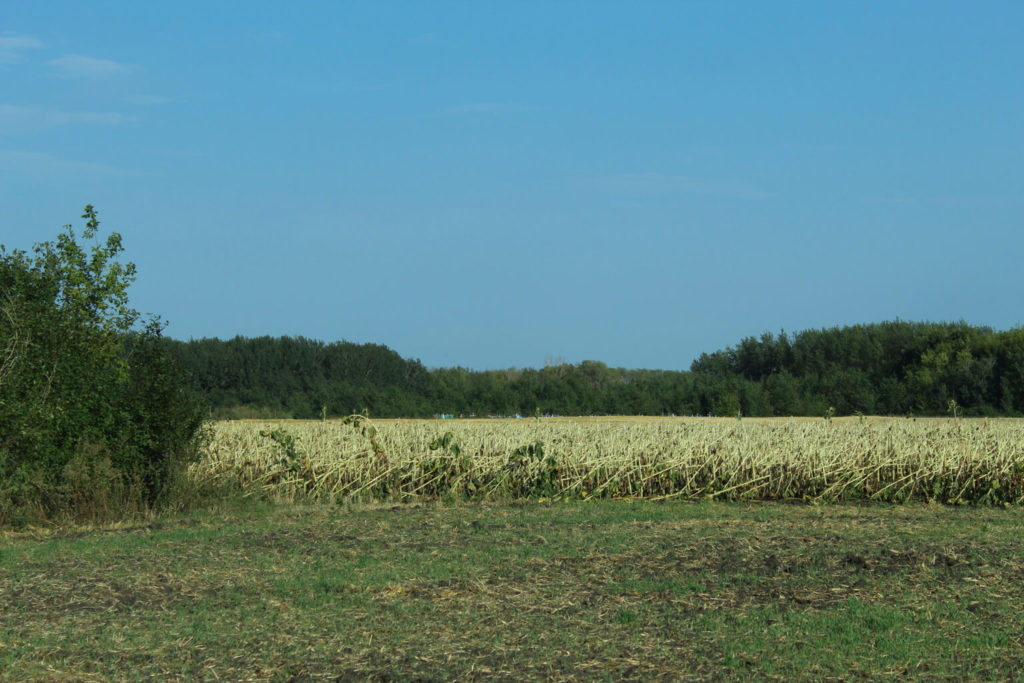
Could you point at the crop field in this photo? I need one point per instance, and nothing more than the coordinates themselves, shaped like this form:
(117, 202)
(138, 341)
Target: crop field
(950, 461)
(550, 549)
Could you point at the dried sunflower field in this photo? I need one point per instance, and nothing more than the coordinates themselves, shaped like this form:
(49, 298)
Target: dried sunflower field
(952, 461)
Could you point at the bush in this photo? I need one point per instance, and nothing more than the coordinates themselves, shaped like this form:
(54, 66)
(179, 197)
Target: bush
(90, 405)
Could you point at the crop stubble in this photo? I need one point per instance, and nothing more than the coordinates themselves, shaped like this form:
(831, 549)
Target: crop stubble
(952, 461)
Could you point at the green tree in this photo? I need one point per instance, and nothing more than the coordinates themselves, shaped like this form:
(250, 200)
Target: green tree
(87, 403)
(784, 393)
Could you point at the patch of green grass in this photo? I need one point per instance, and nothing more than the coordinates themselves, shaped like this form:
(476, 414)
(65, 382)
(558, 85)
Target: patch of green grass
(625, 616)
(581, 591)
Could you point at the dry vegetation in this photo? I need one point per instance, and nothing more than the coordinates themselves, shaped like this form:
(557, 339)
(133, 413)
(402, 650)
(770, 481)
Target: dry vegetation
(608, 590)
(605, 590)
(950, 461)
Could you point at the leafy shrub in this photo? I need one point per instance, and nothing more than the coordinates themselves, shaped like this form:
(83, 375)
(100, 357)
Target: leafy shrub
(84, 393)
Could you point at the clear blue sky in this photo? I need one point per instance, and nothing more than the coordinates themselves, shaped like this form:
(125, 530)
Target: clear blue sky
(491, 184)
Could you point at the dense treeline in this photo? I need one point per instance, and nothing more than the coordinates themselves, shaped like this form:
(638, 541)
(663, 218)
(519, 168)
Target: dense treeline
(889, 368)
(893, 368)
(299, 377)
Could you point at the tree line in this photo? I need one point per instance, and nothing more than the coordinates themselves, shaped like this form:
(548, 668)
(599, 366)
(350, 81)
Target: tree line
(890, 368)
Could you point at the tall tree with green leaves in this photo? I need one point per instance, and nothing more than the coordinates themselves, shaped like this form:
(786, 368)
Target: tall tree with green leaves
(83, 392)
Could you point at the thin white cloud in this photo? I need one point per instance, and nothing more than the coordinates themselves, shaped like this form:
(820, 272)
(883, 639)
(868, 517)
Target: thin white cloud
(42, 164)
(666, 184)
(15, 118)
(12, 47)
(81, 66)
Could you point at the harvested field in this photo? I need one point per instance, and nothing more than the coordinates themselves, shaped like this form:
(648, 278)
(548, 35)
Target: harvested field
(952, 461)
(607, 590)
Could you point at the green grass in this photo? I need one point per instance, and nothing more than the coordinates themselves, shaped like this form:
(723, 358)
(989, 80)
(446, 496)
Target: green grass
(594, 591)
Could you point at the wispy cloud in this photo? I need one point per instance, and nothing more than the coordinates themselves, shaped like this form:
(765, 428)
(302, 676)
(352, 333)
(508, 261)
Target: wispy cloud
(667, 184)
(81, 66)
(12, 47)
(42, 164)
(484, 108)
(26, 118)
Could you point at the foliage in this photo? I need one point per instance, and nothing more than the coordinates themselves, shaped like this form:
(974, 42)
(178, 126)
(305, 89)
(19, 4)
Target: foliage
(892, 368)
(82, 391)
(291, 453)
(532, 474)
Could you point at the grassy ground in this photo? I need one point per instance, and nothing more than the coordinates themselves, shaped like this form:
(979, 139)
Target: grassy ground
(596, 591)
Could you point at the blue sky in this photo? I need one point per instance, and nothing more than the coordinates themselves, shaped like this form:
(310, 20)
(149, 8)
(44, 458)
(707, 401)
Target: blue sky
(492, 184)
